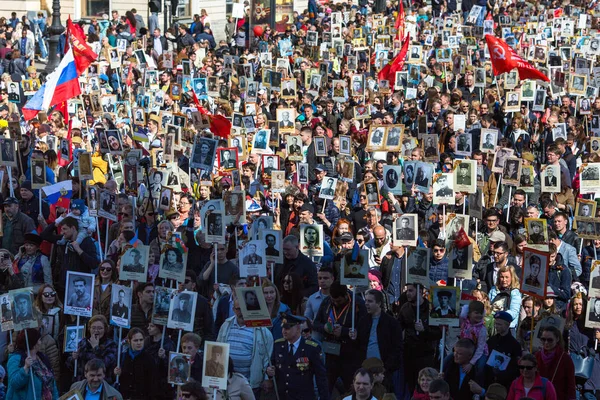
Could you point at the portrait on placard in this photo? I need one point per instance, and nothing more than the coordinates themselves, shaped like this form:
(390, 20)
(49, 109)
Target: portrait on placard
(320, 146)
(179, 368)
(24, 314)
(347, 174)
(539, 102)
(463, 144)
(311, 240)
(590, 177)
(460, 262)
(6, 308)
(134, 263)
(234, 205)
(391, 175)
(454, 223)
(502, 154)
(261, 223)
(120, 307)
(445, 301)
(73, 335)
(239, 142)
(418, 266)
(592, 319)
(108, 205)
(376, 137)
(345, 145)
(8, 153)
(423, 176)
(550, 178)
(79, 294)
(227, 158)
(584, 209)
(273, 243)
(372, 192)
(215, 227)
(537, 231)
(577, 84)
(252, 259)
(203, 153)
(166, 196)
(393, 139)
(405, 230)
(465, 176)
(431, 148)
(327, 190)
(172, 263)
(270, 163)
(162, 304)
(585, 227)
(38, 173)
(409, 173)
(535, 272)
(216, 365)
(354, 271)
(512, 171)
(498, 361)
(260, 142)
(594, 287)
(286, 118)
(527, 179)
(253, 306)
(182, 311)
(294, 148)
(443, 188)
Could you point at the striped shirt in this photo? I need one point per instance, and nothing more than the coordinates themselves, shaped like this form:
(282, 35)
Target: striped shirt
(241, 341)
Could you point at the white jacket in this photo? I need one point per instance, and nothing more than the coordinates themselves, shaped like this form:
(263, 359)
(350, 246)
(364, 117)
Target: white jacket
(261, 350)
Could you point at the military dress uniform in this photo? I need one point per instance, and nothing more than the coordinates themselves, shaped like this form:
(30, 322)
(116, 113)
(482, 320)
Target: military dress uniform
(295, 369)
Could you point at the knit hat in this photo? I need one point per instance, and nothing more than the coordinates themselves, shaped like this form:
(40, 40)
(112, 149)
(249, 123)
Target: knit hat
(476, 306)
(26, 185)
(550, 292)
(78, 204)
(528, 156)
(503, 315)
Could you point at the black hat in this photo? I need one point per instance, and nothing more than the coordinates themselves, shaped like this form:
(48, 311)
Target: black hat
(10, 200)
(26, 185)
(307, 207)
(444, 293)
(33, 238)
(345, 237)
(289, 320)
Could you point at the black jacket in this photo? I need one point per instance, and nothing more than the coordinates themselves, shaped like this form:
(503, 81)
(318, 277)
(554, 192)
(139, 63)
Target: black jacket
(68, 259)
(388, 332)
(425, 343)
(139, 376)
(509, 346)
(452, 377)
(305, 268)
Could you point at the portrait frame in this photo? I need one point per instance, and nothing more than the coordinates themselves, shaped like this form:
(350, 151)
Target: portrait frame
(251, 262)
(355, 272)
(311, 248)
(182, 317)
(130, 271)
(177, 270)
(24, 297)
(215, 373)
(79, 334)
(590, 177)
(405, 235)
(535, 285)
(418, 257)
(456, 269)
(465, 183)
(441, 317)
(176, 359)
(120, 314)
(443, 188)
(74, 303)
(256, 315)
(547, 184)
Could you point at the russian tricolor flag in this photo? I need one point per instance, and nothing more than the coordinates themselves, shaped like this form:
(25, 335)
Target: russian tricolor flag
(61, 85)
(59, 194)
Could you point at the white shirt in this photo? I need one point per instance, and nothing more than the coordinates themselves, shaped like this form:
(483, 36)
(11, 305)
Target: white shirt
(294, 345)
(158, 46)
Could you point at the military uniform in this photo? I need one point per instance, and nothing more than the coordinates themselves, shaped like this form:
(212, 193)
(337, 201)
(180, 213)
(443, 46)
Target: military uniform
(405, 234)
(294, 373)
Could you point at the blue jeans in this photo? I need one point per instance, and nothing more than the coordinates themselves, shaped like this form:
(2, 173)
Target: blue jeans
(481, 16)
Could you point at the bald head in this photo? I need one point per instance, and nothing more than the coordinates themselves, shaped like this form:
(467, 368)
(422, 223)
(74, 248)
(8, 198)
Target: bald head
(380, 235)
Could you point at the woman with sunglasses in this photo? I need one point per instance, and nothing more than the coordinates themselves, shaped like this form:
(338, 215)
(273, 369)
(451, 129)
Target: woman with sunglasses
(50, 307)
(555, 364)
(531, 384)
(106, 276)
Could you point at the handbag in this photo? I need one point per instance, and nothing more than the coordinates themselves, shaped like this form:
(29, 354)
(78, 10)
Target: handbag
(583, 365)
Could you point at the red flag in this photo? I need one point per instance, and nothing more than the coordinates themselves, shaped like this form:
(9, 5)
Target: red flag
(505, 59)
(82, 53)
(219, 125)
(400, 21)
(389, 71)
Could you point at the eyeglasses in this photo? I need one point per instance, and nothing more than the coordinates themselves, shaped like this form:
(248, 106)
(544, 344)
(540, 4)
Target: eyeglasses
(49, 294)
(526, 367)
(492, 220)
(545, 339)
(105, 269)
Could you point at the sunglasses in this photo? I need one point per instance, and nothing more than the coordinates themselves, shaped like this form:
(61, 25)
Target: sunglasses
(526, 367)
(49, 294)
(105, 269)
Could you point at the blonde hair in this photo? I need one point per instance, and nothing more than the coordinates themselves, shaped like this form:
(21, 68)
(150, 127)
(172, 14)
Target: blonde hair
(514, 280)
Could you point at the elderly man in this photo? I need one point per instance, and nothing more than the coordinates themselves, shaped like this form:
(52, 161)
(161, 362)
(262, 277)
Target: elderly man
(94, 386)
(16, 224)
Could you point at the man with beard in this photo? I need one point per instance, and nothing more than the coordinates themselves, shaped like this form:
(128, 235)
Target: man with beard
(80, 298)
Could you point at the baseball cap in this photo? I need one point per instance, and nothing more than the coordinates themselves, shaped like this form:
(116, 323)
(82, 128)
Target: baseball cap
(10, 200)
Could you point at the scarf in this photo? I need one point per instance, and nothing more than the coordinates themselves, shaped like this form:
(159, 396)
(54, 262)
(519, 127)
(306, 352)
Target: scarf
(46, 376)
(547, 357)
(134, 353)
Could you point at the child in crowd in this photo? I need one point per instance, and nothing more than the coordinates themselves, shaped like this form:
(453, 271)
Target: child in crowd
(87, 224)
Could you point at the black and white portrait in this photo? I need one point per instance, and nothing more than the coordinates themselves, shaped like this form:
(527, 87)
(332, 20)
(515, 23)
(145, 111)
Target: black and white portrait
(79, 294)
(182, 311)
(120, 307)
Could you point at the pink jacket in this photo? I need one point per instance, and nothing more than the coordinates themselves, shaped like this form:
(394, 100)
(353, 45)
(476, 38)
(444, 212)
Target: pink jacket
(517, 390)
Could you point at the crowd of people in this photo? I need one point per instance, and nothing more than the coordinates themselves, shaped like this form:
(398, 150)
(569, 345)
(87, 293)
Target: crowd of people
(348, 203)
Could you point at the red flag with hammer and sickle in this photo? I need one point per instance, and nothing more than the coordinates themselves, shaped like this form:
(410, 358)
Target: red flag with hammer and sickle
(505, 59)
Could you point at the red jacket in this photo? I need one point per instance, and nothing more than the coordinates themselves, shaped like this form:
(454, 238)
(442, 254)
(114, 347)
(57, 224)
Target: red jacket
(517, 390)
(561, 372)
